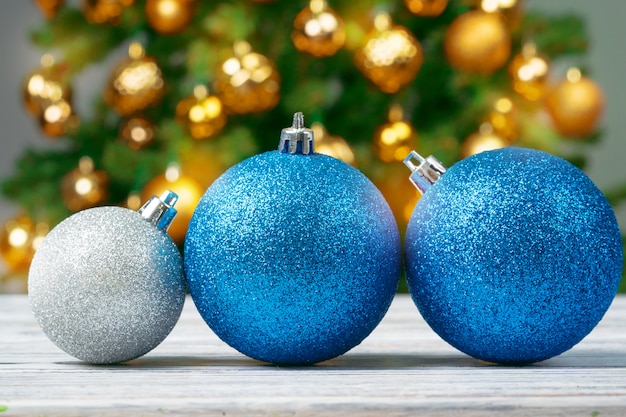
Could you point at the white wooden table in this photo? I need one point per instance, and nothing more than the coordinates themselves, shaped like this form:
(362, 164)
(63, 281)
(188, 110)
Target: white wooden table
(401, 369)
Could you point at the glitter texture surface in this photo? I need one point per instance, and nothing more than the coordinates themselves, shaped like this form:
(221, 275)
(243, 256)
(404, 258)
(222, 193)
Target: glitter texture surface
(106, 286)
(292, 259)
(513, 256)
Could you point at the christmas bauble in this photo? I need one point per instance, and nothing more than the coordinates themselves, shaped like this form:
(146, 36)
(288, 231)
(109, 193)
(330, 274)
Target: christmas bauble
(137, 132)
(318, 30)
(529, 72)
(169, 17)
(512, 255)
(84, 186)
(394, 139)
(483, 140)
(576, 105)
(247, 82)
(45, 85)
(426, 8)
(292, 257)
(504, 120)
(398, 192)
(188, 190)
(49, 8)
(332, 145)
(19, 238)
(104, 11)
(390, 56)
(478, 42)
(201, 114)
(202, 163)
(135, 83)
(106, 285)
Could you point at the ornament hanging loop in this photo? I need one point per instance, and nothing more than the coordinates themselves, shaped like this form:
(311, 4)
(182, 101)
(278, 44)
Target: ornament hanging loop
(424, 171)
(296, 139)
(160, 211)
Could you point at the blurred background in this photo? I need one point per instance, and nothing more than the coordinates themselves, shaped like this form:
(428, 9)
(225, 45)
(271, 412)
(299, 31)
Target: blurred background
(603, 59)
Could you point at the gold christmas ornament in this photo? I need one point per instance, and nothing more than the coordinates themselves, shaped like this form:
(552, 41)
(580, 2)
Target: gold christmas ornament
(394, 140)
(137, 132)
(47, 95)
(202, 162)
(575, 105)
(318, 30)
(45, 85)
(478, 42)
(201, 114)
(49, 8)
(189, 193)
(401, 196)
(247, 82)
(504, 119)
(332, 145)
(529, 72)
(426, 8)
(390, 56)
(19, 239)
(104, 11)
(84, 187)
(169, 17)
(483, 140)
(512, 10)
(135, 83)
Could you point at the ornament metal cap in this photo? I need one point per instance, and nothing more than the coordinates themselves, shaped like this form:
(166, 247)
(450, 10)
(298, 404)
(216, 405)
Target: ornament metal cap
(160, 211)
(425, 172)
(296, 139)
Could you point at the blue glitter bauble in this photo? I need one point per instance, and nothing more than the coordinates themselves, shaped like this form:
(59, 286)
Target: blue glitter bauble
(291, 258)
(513, 256)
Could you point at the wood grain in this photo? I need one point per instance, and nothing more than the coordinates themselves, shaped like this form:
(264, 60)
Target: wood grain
(401, 369)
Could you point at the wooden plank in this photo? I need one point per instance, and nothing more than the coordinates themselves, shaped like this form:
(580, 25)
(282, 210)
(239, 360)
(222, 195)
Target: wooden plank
(403, 368)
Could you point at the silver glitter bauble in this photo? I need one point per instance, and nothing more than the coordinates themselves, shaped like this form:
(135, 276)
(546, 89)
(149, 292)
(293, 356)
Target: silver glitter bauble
(107, 284)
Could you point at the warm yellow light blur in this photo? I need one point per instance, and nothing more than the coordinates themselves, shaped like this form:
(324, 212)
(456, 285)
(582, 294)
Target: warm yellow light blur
(83, 186)
(172, 173)
(18, 236)
(483, 140)
(331, 145)
(318, 6)
(138, 134)
(382, 22)
(394, 140)
(504, 105)
(212, 107)
(573, 75)
(168, 8)
(135, 50)
(495, 5)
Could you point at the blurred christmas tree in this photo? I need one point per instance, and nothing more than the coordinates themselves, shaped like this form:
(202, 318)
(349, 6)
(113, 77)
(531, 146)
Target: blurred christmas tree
(207, 84)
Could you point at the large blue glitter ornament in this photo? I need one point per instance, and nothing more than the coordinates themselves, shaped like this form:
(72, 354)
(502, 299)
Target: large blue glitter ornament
(292, 257)
(513, 255)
